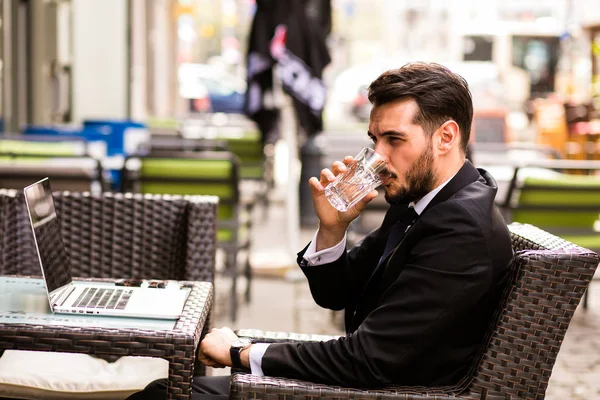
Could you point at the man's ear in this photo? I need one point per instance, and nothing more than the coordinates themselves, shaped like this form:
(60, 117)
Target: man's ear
(448, 137)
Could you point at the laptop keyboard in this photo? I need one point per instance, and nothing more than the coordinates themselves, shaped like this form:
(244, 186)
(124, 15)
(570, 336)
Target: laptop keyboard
(115, 299)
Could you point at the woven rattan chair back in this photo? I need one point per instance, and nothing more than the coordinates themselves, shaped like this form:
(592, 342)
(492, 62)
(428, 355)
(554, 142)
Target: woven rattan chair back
(202, 173)
(550, 276)
(214, 173)
(118, 236)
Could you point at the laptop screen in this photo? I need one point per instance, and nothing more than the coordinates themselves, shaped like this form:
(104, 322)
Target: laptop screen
(46, 230)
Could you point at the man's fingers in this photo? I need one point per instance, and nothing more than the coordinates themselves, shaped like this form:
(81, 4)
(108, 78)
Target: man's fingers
(209, 362)
(338, 167)
(348, 160)
(202, 357)
(315, 185)
(206, 360)
(318, 185)
(365, 200)
(230, 334)
(326, 176)
(213, 364)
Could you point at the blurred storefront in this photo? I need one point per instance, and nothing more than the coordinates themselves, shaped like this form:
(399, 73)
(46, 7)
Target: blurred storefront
(590, 22)
(595, 55)
(569, 121)
(69, 60)
(36, 62)
(65, 61)
(516, 35)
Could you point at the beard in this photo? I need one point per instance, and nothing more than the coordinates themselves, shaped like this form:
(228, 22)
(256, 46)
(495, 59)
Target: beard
(419, 180)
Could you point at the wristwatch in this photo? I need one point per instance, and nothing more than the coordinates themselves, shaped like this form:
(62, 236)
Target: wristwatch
(235, 351)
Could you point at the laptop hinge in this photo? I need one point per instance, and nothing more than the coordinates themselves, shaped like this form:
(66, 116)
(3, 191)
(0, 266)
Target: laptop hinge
(61, 295)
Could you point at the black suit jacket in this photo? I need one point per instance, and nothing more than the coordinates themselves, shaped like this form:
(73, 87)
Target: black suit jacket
(419, 318)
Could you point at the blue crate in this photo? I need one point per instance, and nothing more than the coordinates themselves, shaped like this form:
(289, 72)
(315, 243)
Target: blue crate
(122, 137)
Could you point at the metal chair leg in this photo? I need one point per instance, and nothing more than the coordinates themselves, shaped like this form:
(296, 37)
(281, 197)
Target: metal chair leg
(232, 266)
(248, 274)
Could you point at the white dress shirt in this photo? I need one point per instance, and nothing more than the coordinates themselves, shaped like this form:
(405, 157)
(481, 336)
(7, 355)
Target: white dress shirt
(325, 256)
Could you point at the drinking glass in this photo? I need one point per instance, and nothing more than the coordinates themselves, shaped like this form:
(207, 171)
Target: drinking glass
(362, 176)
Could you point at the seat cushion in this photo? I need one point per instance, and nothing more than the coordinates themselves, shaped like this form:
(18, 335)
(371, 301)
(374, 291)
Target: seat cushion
(46, 375)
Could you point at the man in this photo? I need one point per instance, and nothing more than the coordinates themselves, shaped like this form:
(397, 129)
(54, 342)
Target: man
(418, 292)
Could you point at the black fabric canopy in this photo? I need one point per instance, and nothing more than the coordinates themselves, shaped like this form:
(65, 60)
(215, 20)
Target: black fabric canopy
(291, 34)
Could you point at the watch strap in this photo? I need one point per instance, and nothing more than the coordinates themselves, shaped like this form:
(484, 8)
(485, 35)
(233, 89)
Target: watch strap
(235, 352)
(236, 358)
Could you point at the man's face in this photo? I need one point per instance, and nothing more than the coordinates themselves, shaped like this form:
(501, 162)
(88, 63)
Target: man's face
(407, 149)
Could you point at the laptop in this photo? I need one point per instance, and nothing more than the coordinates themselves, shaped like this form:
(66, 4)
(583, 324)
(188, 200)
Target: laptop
(66, 296)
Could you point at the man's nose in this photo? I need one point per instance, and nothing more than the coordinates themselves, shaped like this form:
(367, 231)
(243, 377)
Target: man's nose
(380, 149)
(385, 171)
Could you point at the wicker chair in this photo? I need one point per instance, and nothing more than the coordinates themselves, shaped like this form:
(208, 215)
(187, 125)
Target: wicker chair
(118, 236)
(214, 173)
(112, 235)
(549, 277)
(566, 205)
(68, 172)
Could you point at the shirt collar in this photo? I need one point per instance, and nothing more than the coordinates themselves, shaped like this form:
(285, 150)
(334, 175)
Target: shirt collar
(420, 205)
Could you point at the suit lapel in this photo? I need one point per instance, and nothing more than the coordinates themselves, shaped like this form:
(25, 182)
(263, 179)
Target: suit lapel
(388, 269)
(465, 176)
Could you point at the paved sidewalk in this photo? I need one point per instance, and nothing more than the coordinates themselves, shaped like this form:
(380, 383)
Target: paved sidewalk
(576, 374)
(283, 303)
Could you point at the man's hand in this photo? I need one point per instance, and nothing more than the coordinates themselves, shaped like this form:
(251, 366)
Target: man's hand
(214, 348)
(333, 223)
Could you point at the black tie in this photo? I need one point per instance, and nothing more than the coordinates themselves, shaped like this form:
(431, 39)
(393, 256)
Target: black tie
(398, 231)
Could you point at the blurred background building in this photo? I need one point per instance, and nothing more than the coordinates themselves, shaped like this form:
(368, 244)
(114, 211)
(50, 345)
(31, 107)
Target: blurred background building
(166, 67)
(64, 61)
(60, 46)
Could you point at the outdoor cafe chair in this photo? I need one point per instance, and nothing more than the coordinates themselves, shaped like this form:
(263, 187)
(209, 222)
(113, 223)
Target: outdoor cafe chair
(566, 205)
(77, 173)
(548, 278)
(171, 143)
(115, 236)
(112, 235)
(51, 145)
(205, 173)
(235, 134)
(256, 163)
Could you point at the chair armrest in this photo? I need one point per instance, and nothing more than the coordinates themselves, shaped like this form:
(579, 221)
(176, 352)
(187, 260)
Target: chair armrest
(281, 337)
(252, 387)
(246, 386)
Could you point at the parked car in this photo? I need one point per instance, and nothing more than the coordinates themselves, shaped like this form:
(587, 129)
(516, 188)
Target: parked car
(361, 107)
(197, 93)
(491, 88)
(347, 94)
(225, 92)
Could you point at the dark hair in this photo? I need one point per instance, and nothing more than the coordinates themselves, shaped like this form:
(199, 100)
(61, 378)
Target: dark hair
(440, 94)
